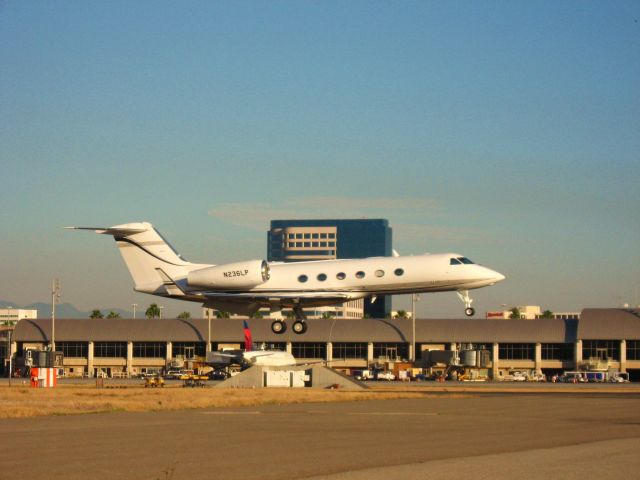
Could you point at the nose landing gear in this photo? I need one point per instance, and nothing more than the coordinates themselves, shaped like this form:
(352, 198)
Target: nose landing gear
(464, 296)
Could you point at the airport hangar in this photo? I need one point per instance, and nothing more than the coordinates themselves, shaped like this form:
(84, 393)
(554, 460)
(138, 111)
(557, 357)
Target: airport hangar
(126, 347)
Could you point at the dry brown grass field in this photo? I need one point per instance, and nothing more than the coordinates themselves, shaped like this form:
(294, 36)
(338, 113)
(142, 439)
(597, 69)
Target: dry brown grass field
(23, 401)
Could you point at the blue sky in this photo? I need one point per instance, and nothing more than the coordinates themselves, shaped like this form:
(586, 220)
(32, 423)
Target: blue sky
(507, 131)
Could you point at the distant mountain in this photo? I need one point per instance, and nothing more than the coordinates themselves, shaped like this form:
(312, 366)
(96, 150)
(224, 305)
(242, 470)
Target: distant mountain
(63, 310)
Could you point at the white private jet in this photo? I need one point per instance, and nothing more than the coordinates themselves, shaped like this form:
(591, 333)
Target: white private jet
(245, 287)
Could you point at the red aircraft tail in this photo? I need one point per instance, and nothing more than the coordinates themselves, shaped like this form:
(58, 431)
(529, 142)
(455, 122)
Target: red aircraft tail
(248, 341)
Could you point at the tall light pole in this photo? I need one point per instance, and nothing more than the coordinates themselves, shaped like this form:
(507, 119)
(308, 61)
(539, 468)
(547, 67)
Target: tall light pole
(55, 297)
(134, 305)
(208, 349)
(414, 298)
(10, 357)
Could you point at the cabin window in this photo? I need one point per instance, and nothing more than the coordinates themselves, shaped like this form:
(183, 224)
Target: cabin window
(360, 274)
(303, 278)
(465, 260)
(341, 276)
(398, 272)
(455, 261)
(322, 277)
(379, 273)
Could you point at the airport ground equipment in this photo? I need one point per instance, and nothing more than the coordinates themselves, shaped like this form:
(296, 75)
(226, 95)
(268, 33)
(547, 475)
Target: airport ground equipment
(154, 382)
(194, 380)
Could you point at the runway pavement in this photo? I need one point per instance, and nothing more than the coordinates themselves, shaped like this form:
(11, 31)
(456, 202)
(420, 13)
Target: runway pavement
(502, 435)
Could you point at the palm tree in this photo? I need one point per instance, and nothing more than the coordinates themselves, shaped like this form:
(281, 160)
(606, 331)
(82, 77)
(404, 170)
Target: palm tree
(515, 313)
(547, 314)
(153, 311)
(184, 315)
(113, 314)
(220, 314)
(327, 315)
(96, 314)
(401, 314)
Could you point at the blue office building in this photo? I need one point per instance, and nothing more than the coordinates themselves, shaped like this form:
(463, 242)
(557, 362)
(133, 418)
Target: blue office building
(304, 240)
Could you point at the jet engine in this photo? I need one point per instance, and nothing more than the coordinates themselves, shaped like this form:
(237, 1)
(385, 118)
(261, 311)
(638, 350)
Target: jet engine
(231, 276)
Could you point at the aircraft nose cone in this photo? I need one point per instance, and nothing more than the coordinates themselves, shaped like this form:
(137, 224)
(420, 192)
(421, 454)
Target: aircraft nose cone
(498, 277)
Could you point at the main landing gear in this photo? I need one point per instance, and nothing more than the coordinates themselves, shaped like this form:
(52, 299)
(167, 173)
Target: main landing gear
(299, 326)
(464, 296)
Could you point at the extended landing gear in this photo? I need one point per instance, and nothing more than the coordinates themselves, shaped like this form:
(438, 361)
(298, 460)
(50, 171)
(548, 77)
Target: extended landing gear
(464, 296)
(299, 326)
(278, 327)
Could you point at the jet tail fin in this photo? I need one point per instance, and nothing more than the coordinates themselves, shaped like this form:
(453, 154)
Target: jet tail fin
(152, 262)
(248, 341)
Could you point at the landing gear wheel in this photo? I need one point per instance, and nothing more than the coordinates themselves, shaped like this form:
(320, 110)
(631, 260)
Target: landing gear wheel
(299, 327)
(278, 327)
(469, 312)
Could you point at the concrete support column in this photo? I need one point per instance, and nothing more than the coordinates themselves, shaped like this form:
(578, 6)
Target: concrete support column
(538, 357)
(289, 348)
(329, 351)
(495, 353)
(90, 359)
(169, 354)
(370, 353)
(412, 353)
(129, 358)
(623, 355)
(453, 347)
(577, 353)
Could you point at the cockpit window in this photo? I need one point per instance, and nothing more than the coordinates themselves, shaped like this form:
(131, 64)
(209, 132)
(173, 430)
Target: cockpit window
(465, 260)
(455, 261)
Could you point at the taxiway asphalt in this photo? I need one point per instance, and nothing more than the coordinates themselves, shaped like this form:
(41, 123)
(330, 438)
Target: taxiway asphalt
(494, 435)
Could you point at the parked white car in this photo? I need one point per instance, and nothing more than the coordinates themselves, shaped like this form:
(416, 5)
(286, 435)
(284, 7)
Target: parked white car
(389, 376)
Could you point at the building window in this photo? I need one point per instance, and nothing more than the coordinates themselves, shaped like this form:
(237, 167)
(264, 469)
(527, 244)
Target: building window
(298, 236)
(360, 274)
(314, 235)
(110, 349)
(307, 244)
(341, 276)
(602, 349)
(391, 351)
(332, 244)
(150, 349)
(73, 349)
(315, 244)
(379, 273)
(309, 350)
(323, 244)
(188, 349)
(633, 349)
(349, 350)
(307, 236)
(281, 346)
(323, 235)
(557, 351)
(322, 277)
(516, 351)
(303, 278)
(398, 272)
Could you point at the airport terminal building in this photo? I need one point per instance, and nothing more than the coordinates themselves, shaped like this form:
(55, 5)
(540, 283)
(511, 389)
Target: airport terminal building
(600, 338)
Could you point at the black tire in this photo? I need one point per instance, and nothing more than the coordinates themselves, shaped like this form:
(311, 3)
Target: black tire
(278, 327)
(469, 312)
(299, 327)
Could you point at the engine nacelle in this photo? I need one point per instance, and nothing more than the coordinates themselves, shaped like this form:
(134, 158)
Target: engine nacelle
(231, 276)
